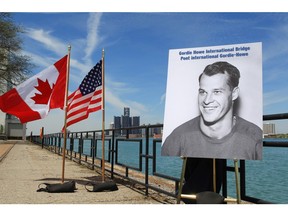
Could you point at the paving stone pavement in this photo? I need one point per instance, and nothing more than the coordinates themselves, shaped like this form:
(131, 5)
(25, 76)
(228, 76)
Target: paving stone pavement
(23, 166)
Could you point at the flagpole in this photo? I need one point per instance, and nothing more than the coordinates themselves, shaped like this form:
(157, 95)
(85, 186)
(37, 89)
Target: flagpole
(103, 119)
(65, 119)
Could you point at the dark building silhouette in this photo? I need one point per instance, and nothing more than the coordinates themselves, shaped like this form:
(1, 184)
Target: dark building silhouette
(117, 124)
(127, 111)
(135, 123)
(125, 121)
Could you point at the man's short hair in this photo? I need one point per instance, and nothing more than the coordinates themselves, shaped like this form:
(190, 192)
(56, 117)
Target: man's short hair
(222, 68)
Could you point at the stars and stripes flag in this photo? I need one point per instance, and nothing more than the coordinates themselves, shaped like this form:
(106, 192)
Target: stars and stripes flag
(87, 98)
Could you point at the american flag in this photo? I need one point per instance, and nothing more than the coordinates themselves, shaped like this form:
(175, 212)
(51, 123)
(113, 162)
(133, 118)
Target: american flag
(87, 98)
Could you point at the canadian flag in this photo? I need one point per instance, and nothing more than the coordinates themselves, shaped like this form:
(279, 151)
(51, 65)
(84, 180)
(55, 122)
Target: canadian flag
(33, 99)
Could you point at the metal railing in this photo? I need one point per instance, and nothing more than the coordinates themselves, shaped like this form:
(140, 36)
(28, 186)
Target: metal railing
(146, 154)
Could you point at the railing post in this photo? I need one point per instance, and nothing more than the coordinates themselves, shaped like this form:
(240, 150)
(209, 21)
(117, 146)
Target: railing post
(31, 134)
(71, 145)
(80, 147)
(112, 154)
(147, 161)
(93, 149)
(55, 144)
(242, 179)
(59, 145)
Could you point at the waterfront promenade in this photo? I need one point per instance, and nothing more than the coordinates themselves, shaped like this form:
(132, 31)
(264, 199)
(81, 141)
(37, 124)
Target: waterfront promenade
(23, 166)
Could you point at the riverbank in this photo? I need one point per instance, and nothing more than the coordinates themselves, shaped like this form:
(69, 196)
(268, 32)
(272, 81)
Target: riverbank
(24, 166)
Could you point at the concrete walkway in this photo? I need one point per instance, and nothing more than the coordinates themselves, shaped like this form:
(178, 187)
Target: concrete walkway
(23, 166)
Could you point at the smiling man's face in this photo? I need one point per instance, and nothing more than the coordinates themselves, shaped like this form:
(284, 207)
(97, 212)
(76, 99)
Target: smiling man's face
(215, 98)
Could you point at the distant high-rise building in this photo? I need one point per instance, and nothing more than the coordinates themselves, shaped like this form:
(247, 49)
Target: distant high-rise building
(269, 129)
(135, 123)
(127, 111)
(117, 124)
(125, 121)
(111, 127)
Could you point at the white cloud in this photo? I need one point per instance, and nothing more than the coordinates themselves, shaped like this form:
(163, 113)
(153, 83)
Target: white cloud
(38, 59)
(46, 39)
(115, 91)
(114, 100)
(93, 37)
(119, 87)
(136, 108)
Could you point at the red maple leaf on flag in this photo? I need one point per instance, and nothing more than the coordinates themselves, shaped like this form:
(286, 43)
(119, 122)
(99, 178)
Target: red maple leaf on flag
(45, 90)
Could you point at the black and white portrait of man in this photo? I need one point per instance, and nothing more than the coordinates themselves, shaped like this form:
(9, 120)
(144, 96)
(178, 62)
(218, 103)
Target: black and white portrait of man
(227, 114)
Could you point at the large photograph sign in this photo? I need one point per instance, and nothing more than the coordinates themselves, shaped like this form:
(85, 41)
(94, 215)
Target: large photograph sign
(213, 105)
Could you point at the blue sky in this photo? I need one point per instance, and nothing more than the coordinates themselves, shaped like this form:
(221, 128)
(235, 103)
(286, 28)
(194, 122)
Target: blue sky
(136, 54)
